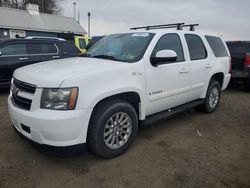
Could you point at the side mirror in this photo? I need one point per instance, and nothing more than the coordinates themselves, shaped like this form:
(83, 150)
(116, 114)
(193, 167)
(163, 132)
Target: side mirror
(163, 56)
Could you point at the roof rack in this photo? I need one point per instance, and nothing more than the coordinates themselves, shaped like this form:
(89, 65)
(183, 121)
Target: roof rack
(192, 26)
(178, 26)
(52, 38)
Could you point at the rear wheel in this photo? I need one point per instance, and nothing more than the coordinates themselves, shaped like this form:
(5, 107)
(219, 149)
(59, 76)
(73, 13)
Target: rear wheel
(113, 127)
(212, 97)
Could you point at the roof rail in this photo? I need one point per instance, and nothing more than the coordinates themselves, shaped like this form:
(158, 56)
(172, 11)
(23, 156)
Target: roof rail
(174, 25)
(179, 26)
(52, 38)
(192, 26)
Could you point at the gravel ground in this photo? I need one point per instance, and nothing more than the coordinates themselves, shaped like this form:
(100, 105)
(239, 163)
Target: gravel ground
(189, 150)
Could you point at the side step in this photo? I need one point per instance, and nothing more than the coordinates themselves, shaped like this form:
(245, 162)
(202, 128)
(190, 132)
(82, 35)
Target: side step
(156, 118)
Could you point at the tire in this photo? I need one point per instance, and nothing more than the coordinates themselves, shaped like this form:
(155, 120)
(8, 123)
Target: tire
(112, 120)
(247, 85)
(212, 99)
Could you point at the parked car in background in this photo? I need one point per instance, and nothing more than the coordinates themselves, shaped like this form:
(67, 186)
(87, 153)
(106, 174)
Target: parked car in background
(240, 54)
(80, 41)
(94, 40)
(15, 53)
(127, 78)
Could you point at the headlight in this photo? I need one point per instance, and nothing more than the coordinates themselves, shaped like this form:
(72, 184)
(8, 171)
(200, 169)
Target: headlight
(59, 99)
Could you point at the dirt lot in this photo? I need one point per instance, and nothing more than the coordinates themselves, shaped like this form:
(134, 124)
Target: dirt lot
(190, 150)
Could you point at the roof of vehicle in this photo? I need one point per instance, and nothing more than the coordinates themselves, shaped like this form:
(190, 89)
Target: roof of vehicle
(21, 19)
(31, 39)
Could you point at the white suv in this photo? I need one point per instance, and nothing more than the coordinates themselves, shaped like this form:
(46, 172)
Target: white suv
(124, 80)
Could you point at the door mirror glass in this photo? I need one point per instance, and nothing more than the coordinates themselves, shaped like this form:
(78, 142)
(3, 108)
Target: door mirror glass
(163, 56)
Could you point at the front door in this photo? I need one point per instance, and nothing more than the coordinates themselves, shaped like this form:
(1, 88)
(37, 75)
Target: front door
(167, 84)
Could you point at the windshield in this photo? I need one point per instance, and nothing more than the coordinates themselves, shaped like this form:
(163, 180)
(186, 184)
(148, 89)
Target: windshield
(128, 47)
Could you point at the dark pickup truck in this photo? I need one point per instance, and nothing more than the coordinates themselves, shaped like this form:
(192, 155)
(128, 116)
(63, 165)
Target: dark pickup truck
(240, 54)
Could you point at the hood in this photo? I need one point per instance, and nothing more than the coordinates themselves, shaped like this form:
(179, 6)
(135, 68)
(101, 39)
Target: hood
(53, 73)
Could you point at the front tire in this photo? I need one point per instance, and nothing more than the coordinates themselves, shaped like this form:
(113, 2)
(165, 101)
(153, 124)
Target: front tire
(212, 99)
(113, 127)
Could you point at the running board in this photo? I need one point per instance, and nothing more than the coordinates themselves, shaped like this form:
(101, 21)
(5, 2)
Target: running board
(156, 118)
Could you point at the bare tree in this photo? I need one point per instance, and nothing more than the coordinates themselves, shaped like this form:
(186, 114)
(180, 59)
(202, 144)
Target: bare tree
(45, 6)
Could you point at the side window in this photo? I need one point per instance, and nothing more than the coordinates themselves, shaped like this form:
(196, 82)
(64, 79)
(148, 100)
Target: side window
(217, 46)
(82, 43)
(14, 49)
(196, 47)
(68, 48)
(42, 48)
(170, 42)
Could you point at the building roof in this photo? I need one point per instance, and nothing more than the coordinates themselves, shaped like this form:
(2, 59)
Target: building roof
(21, 19)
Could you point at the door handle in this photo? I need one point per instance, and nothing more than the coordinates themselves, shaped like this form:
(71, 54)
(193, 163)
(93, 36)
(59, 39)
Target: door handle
(208, 66)
(55, 57)
(23, 58)
(183, 70)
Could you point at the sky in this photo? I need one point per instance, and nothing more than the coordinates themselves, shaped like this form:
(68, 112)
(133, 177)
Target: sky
(230, 18)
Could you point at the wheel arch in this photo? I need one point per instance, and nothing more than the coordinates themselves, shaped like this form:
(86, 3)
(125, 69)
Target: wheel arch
(218, 76)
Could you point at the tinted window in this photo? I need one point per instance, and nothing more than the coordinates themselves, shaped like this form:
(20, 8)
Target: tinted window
(68, 48)
(217, 46)
(196, 47)
(14, 49)
(82, 43)
(170, 42)
(42, 48)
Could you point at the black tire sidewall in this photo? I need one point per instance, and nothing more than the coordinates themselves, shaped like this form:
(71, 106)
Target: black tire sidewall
(212, 84)
(101, 116)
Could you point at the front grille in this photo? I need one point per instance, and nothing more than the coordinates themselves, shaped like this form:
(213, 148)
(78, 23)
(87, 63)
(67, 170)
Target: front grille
(21, 102)
(22, 87)
(29, 88)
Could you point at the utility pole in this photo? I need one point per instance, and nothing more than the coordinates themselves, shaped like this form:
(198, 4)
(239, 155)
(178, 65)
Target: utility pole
(89, 23)
(78, 17)
(74, 10)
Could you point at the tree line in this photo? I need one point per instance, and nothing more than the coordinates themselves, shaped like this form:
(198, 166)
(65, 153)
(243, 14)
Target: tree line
(45, 6)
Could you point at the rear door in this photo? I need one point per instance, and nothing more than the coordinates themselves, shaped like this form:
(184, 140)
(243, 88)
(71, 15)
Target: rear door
(13, 55)
(200, 66)
(42, 51)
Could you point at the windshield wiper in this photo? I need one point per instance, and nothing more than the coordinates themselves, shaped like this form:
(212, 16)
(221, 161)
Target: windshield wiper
(103, 56)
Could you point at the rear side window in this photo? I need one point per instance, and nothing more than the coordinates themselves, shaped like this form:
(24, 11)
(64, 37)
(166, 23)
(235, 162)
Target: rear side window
(217, 46)
(82, 43)
(14, 49)
(170, 42)
(196, 47)
(42, 48)
(68, 48)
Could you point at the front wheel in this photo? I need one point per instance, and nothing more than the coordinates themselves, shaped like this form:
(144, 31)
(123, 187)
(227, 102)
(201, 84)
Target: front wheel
(212, 97)
(113, 127)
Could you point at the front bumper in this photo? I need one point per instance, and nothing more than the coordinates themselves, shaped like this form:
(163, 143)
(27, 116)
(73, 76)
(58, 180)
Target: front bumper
(51, 127)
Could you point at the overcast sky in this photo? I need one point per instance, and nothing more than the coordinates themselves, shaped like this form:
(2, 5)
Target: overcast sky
(231, 18)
